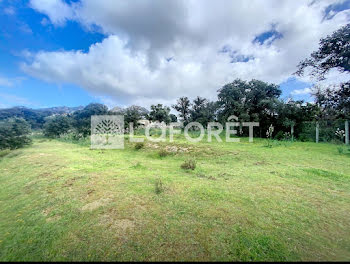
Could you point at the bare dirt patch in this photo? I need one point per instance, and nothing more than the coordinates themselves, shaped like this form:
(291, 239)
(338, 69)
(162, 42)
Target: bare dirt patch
(122, 224)
(47, 211)
(171, 148)
(96, 204)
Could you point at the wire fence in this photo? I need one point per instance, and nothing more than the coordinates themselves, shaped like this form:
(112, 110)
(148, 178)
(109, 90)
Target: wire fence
(333, 131)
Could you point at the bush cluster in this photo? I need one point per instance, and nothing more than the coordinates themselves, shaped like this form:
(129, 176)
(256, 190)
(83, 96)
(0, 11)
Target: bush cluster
(14, 133)
(139, 145)
(189, 164)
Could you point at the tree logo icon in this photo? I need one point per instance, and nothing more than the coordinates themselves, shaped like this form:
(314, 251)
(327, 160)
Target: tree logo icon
(107, 132)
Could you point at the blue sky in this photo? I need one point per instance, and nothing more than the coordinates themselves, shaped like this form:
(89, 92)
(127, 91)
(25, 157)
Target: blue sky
(42, 43)
(23, 30)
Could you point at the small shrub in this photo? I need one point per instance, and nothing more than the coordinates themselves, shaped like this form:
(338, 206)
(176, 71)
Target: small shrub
(340, 150)
(139, 145)
(163, 153)
(304, 138)
(158, 186)
(189, 164)
(279, 135)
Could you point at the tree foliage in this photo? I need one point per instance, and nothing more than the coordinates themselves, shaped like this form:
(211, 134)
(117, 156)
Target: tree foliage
(14, 133)
(132, 114)
(342, 99)
(57, 125)
(173, 118)
(203, 111)
(82, 118)
(249, 101)
(160, 113)
(183, 105)
(333, 102)
(334, 52)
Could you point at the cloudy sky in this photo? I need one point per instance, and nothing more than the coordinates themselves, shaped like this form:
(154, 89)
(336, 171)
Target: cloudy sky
(119, 52)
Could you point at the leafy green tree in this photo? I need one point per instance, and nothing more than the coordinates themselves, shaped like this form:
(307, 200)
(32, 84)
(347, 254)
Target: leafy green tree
(295, 113)
(132, 114)
(183, 105)
(203, 111)
(135, 113)
(57, 125)
(173, 118)
(333, 53)
(249, 101)
(14, 133)
(82, 118)
(160, 113)
(333, 102)
(232, 99)
(342, 98)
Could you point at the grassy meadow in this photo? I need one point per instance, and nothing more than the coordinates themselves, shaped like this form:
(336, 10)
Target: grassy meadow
(61, 201)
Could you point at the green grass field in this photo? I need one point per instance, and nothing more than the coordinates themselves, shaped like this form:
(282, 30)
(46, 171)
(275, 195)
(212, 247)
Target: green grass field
(62, 201)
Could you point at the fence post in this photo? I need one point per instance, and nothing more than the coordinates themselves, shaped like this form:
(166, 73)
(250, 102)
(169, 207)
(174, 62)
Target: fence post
(292, 132)
(317, 132)
(347, 132)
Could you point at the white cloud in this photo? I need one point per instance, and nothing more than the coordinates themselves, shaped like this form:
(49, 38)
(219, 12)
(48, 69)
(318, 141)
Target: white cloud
(302, 91)
(58, 10)
(130, 64)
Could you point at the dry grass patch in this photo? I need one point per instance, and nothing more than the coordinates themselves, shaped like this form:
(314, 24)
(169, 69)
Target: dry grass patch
(96, 204)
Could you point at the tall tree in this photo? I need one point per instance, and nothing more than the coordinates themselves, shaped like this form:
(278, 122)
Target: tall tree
(135, 113)
(334, 52)
(249, 101)
(132, 114)
(203, 111)
(183, 107)
(333, 102)
(160, 113)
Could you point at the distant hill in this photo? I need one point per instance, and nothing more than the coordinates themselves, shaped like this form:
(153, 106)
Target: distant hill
(36, 117)
(61, 109)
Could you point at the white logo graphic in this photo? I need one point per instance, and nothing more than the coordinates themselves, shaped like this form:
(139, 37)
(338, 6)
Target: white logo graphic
(107, 132)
